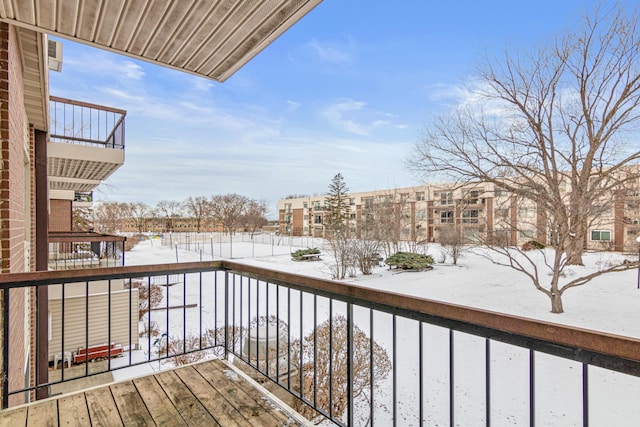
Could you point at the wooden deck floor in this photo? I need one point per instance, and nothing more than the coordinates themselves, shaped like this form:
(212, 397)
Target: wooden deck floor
(205, 394)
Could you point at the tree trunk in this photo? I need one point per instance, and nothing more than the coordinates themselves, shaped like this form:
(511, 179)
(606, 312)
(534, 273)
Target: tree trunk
(556, 303)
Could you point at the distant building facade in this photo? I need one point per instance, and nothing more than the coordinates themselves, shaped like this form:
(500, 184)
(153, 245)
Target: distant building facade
(475, 211)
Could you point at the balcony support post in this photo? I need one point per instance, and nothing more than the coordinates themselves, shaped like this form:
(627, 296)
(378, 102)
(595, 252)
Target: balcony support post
(42, 260)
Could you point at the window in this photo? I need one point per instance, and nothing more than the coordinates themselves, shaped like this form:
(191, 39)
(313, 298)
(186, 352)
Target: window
(306, 217)
(317, 219)
(446, 217)
(525, 212)
(368, 203)
(601, 235)
(420, 214)
(499, 192)
(526, 234)
(305, 205)
(598, 210)
(404, 197)
(352, 216)
(420, 196)
(470, 216)
(316, 206)
(287, 207)
(352, 201)
(446, 198)
(287, 218)
(472, 197)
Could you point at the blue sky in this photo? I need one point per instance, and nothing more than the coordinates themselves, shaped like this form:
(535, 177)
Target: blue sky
(346, 90)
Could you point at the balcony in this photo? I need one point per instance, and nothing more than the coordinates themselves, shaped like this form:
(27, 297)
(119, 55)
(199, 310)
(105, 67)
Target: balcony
(76, 249)
(329, 350)
(86, 144)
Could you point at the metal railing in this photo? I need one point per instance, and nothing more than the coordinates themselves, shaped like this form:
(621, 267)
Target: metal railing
(354, 355)
(76, 122)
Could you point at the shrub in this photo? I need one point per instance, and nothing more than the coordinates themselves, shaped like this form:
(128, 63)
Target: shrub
(410, 261)
(531, 245)
(300, 253)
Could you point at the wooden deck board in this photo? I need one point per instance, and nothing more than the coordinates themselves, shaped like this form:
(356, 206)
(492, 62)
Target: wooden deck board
(14, 418)
(205, 394)
(230, 384)
(186, 403)
(156, 400)
(102, 408)
(39, 415)
(224, 413)
(73, 411)
(130, 405)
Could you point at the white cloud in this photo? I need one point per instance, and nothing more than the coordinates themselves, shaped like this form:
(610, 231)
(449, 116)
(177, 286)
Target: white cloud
(292, 106)
(334, 54)
(123, 95)
(353, 117)
(335, 114)
(103, 63)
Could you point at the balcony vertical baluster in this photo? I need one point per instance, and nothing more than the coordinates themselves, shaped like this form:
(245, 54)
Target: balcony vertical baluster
(184, 313)
(5, 348)
(420, 375)
(487, 380)
(331, 358)
(315, 351)
(350, 360)
(131, 320)
(108, 325)
(226, 315)
(371, 367)
(86, 328)
(266, 356)
(289, 338)
(451, 379)
(394, 369)
(532, 388)
(300, 371)
(585, 395)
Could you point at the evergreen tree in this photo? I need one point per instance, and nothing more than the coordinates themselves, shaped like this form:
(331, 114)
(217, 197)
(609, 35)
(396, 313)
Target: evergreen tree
(337, 205)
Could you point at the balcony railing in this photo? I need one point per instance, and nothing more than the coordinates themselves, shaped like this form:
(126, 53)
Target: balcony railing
(76, 122)
(73, 250)
(351, 354)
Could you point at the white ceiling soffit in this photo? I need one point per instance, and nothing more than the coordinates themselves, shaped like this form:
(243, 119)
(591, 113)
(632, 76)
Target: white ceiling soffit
(35, 77)
(209, 38)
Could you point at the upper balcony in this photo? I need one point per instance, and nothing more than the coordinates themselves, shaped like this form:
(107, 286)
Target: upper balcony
(86, 144)
(329, 350)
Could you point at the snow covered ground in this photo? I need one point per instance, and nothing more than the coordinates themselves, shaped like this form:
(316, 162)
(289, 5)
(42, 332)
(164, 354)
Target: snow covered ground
(609, 303)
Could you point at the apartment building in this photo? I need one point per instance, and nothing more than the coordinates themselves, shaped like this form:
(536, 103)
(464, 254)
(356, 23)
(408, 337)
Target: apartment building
(427, 213)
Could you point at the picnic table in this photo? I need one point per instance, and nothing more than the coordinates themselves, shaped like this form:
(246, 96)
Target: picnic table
(311, 257)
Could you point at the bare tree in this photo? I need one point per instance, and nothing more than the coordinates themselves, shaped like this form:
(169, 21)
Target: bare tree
(109, 217)
(138, 213)
(453, 243)
(255, 216)
(81, 219)
(547, 126)
(229, 210)
(169, 210)
(198, 209)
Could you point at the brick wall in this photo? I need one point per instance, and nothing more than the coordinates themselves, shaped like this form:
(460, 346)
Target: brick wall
(14, 199)
(60, 215)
